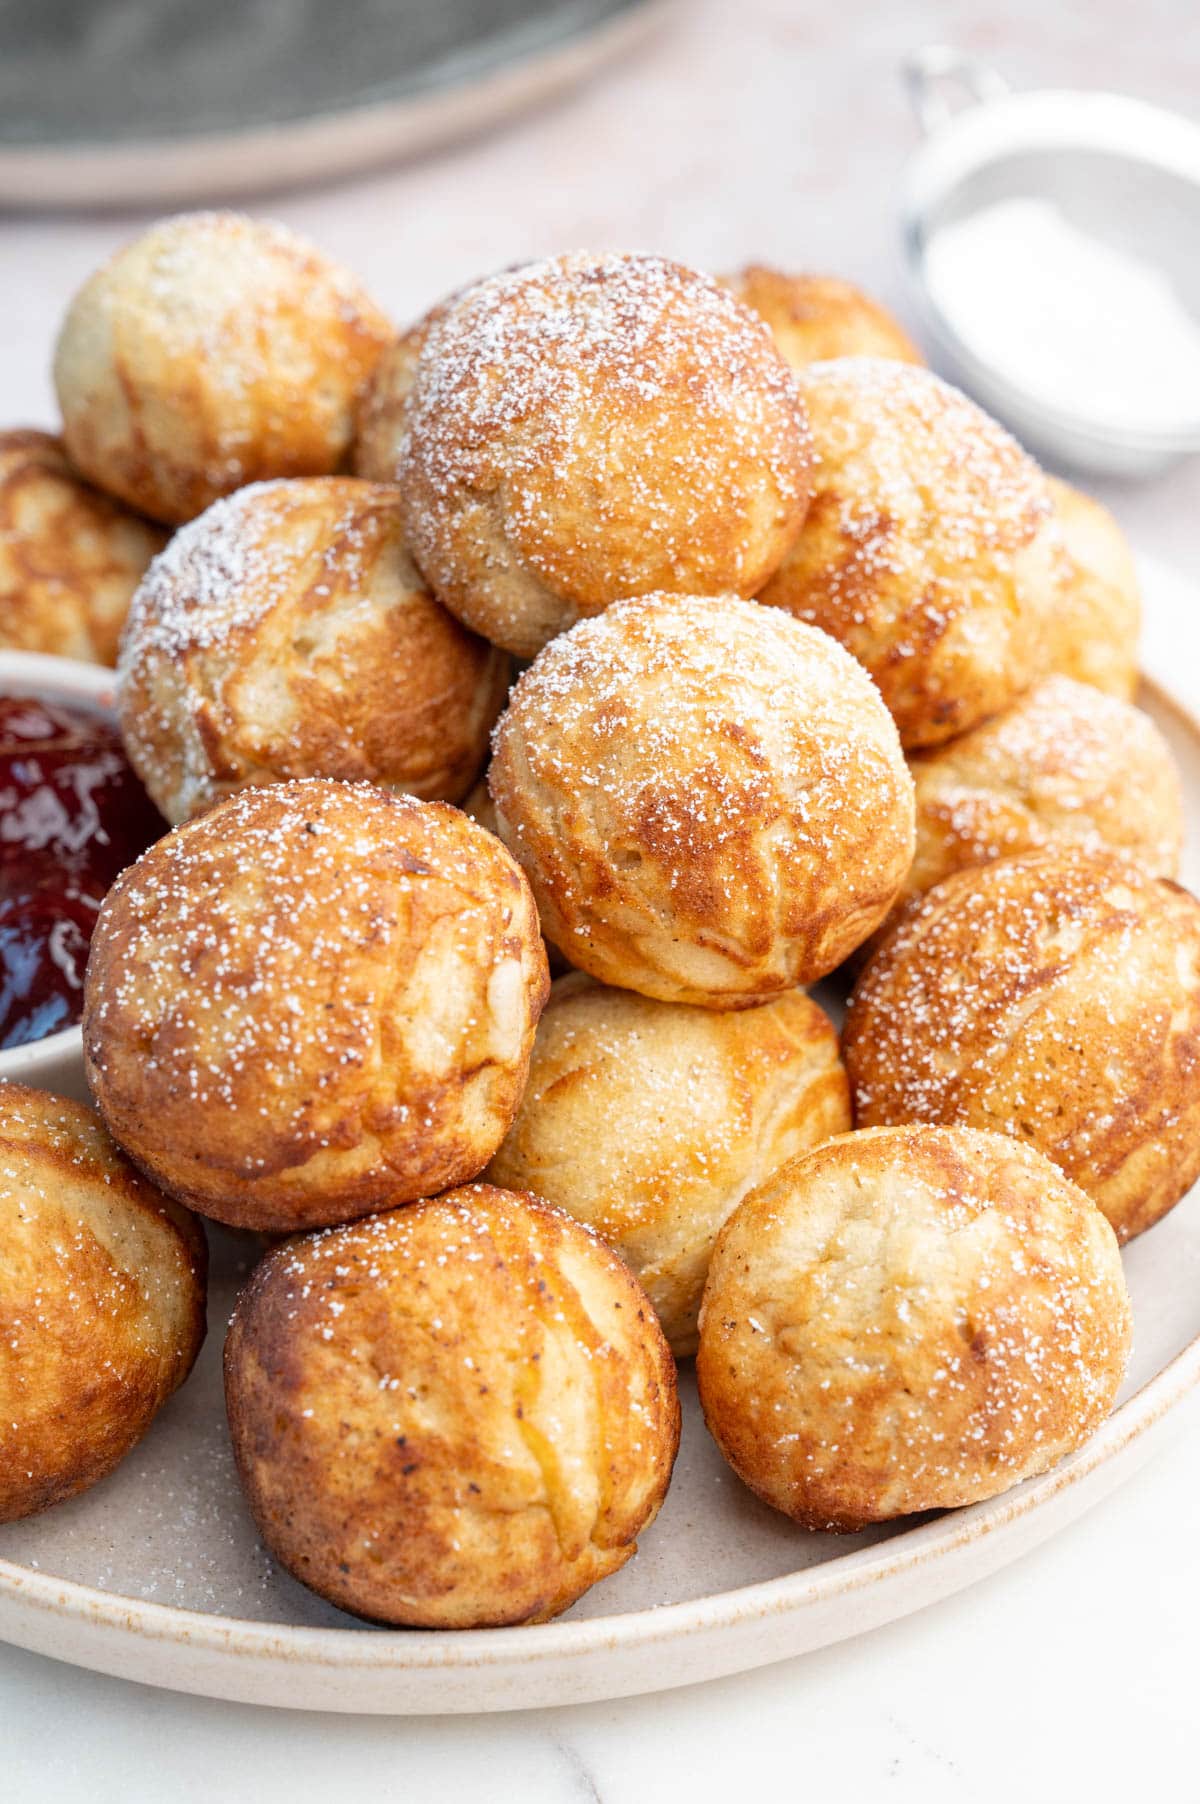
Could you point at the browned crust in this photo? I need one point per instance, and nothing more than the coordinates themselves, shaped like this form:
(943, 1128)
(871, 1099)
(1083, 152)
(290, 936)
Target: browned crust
(650, 1121)
(171, 397)
(710, 801)
(289, 635)
(815, 318)
(1054, 997)
(458, 1415)
(544, 479)
(314, 1001)
(70, 557)
(1065, 765)
(102, 1293)
(381, 418)
(1098, 620)
(930, 549)
(907, 1319)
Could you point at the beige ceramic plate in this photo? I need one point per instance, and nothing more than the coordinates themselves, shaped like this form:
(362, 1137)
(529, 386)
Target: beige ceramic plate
(157, 1574)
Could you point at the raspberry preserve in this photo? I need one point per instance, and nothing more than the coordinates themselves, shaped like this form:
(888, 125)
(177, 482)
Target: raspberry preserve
(72, 816)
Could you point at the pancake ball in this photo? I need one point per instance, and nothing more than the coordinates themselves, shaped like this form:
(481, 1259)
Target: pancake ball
(814, 318)
(930, 550)
(708, 797)
(909, 1319)
(1099, 616)
(382, 415)
(285, 633)
(213, 351)
(479, 805)
(316, 1000)
(70, 557)
(1054, 997)
(1065, 765)
(381, 419)
(651, 1120)
(456, 1415)
(591, 428)
(102, 1287)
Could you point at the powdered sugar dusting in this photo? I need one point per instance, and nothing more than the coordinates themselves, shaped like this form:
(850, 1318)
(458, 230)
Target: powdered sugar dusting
(221, 572)
(1054, 997)
(732, 773)
(258, 948)
(931, 549)
(212, 350)
(1065, 764)
(722, 668)
(926, 441)
(219, 577)
(627, 423)
(203, 254)
(910, 1318)
(434, 1243)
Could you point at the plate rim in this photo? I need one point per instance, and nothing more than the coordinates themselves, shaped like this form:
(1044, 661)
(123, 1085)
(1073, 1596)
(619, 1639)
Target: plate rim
(437, 1650)
(380, 1650)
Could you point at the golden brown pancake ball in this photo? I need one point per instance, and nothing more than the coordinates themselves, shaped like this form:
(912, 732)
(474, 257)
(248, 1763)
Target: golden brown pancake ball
(316, 1000)
(930, 550)
(590, 428)
(814, 318)
(454, 1415)
(1099, 616)
(909, 1319)
(382, 415)
(102, 1285)
(651, 1120)
(286, 633)
(70, 557)
(1065, 765)
(481, 808)
(1054, 997)
(213, 351)
(708, 797)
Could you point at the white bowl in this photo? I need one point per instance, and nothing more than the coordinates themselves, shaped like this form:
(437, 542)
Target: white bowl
(55, 1063)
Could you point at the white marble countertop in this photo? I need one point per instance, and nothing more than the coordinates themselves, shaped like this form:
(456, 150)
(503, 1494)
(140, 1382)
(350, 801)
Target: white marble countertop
(773, 130)
(1069, 1675)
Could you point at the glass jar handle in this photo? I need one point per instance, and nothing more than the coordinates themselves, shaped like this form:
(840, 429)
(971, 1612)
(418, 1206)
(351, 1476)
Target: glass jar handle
(940, 80)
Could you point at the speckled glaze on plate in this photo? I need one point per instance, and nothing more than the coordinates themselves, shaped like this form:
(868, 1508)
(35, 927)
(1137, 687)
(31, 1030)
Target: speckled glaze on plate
(157, 1574)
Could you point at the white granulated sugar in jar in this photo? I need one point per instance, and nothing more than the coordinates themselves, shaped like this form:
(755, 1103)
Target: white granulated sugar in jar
(1088, 330)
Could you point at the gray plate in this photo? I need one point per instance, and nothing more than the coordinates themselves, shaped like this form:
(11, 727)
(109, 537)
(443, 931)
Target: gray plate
(111, 101)
(157, 1574)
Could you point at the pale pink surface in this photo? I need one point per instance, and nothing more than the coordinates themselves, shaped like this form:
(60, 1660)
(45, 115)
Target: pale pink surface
(773, 129)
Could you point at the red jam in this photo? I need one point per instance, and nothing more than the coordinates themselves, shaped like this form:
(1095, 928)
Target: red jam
(72, 816)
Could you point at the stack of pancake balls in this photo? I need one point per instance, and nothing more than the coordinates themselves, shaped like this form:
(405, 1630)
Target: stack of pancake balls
(821, 673)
